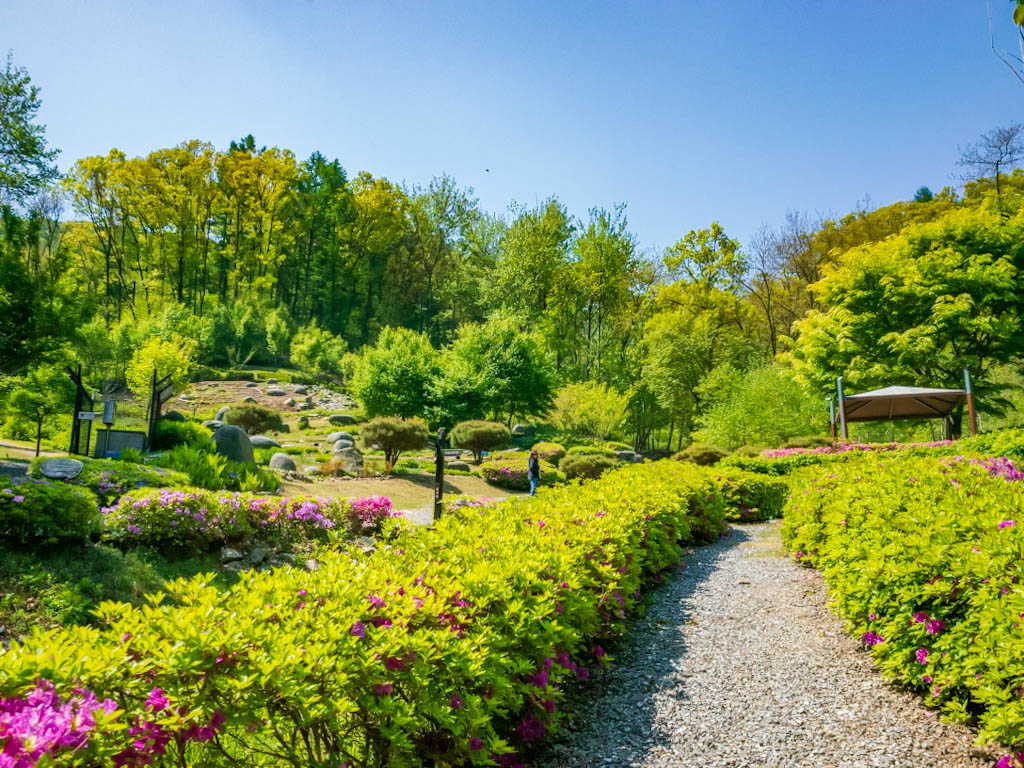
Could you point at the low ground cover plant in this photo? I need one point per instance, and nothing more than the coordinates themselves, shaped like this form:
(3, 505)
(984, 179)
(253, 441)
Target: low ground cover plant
(171, 433)
(110, 478)
(450, 647)
(194, 519)
(922, 556)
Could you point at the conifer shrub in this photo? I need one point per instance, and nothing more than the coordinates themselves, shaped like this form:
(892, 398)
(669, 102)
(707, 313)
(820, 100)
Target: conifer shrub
(480, 436)
(586, 465)
(701, 454)
(254, 419)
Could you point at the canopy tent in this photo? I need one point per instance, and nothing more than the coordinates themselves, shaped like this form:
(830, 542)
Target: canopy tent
(892, 403)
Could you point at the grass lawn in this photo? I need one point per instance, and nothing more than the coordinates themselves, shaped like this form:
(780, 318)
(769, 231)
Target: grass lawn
(405, 492)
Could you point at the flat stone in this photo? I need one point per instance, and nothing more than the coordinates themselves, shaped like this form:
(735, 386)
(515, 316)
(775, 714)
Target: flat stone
(336, 436)
(251, 384)
(341, 445)
(271, 381)
(341, 418)
(262, 441)
(61, 469)
(276, 392)
(257, 555)
(301, 389)
(229, 554)
(305, 406)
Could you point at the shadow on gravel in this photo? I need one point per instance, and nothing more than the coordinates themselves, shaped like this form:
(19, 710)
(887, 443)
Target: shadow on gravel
(610, 721)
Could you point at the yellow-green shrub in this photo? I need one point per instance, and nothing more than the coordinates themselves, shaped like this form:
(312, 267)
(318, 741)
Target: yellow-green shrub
(923, 559)
(451, 647)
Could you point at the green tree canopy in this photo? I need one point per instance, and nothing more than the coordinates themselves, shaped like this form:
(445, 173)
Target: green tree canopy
(26, 164)
(393, 377)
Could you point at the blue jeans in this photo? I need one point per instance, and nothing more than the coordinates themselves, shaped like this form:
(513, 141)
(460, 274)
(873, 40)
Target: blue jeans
(534, 482)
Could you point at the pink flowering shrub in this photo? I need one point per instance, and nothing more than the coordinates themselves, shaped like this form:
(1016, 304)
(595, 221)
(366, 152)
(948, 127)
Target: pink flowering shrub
(508, 470)
(453, 646)
(922, 556)
(196, 519)
(35, 511)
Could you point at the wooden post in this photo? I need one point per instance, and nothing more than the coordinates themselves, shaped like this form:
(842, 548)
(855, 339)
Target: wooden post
(842, 408)
(970, 403)
(439, 475)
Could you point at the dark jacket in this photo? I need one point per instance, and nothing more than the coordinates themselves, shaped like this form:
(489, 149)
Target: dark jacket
(534, 468)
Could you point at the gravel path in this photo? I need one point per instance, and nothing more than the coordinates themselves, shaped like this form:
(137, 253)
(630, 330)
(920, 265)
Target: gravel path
(738, 662)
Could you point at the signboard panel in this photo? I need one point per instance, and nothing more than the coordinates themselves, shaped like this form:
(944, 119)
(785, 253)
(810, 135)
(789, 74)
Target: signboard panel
(87, 416)
(166, 393)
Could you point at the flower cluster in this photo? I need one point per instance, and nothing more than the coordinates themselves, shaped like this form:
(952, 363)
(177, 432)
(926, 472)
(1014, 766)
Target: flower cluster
(828, 450)
(39, 724)
(367, 515)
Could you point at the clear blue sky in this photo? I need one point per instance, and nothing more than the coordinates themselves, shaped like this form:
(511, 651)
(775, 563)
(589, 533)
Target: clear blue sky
(687, 111)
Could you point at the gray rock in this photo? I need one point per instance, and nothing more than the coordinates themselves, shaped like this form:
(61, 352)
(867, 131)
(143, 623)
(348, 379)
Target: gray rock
(251, 384)
(625, 455)
(235, 566)
(231, 442)
(350, 460)
(336, 436)
(257, 555)
(301, 389)
(341, 445)
(461, 466)
(229, 554)
(305, 406)
(522, 430)
(282, 461)
(271, 381)
(276, 392)
(290, 402)
(366, 545)
(638, 459)
(311, 471)
(61, 469)
(186, 398)
(248, 399)
(308, 399)
(222, 412)
(312, 565)
(174, 416)
(262, 441)
(341, 418)
(282, 558)
(213, 424)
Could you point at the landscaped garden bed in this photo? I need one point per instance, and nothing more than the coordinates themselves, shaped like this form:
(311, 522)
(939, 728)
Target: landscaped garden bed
(450, 646)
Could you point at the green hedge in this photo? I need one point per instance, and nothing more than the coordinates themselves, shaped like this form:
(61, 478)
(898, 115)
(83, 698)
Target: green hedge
(34, 511)
(583, 465)
(751, 497)
(109, 479)
(923, 558)
(452, 647)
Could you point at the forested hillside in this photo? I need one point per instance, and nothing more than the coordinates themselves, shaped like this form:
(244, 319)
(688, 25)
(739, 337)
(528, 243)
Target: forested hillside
(196, 257)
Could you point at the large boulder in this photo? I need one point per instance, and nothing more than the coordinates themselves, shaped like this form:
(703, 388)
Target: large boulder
(276, 392)
(522, 430)
(174, 416)
(283, 462)
(301, 389)
(349, 460)
(336, 436)
(262, 441)
(341, 445)
(232, 443)
(222, 412)
(625, 455)
(461, 466)
(341, 418)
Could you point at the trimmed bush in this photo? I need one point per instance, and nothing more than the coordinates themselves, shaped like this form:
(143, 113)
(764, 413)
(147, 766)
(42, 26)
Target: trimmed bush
(552, 453)
(173, 433)
(254, 419)
(110, 478)
(922, 557)
(453, 647)
(480, 436)
(586, 465)
(808, 441)
(701, 454)
(509, 471)
(750, 497)
(45, 511)
(393, 435)
(195, 519)
(590, 450)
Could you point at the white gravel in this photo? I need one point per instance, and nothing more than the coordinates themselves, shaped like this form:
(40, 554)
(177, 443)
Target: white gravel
(738, 662)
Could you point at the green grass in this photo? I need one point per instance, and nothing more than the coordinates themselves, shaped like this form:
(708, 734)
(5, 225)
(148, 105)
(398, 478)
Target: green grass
(61, 588)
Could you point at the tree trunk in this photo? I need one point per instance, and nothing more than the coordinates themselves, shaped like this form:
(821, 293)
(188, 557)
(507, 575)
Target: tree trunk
(39, 434)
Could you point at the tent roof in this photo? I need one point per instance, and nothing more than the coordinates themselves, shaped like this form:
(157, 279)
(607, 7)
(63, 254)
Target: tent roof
(902, 403)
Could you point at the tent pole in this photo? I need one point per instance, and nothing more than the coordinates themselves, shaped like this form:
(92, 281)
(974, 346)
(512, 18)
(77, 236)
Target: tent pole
(970, 403)
(842, 407)
(832, 420)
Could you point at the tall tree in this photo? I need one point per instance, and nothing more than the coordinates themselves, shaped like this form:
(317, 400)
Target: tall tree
(994, 154)
(26, 163)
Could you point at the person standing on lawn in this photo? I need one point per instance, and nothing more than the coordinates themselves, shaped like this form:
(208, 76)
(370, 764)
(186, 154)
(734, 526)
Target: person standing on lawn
(533, 472)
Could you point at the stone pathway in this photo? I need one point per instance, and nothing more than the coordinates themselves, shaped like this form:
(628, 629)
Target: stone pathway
(738, 662)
